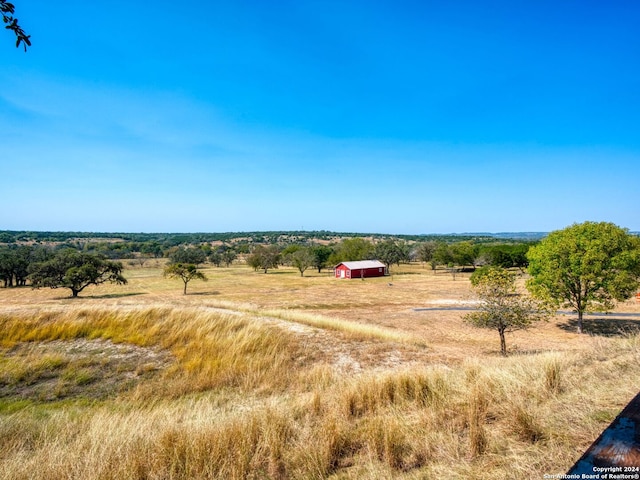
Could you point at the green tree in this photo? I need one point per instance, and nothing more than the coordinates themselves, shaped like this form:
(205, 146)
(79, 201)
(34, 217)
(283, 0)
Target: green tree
(8, 10)
(352, 249)
(587, 267)
(507, 256)
(151, 249)
(22, 260)
(501, 308)
(389, 252)
(321, 254)
(75, 270)
(464, 253)
(302, 259)
(216, 258)
(264, 258)
(15, 261)
(425, 252)
(442, 254)
(518, 255)
(288, 251)
(185, 272)
(192, 255)
(228, 256)
(7, 266)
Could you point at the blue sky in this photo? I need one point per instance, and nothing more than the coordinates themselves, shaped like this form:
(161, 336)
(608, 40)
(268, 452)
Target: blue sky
(390, 117)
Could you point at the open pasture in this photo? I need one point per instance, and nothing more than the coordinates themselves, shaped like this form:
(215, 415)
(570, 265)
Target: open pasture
(256, 375)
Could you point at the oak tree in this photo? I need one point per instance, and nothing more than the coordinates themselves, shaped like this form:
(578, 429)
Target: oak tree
(192, 255)
(302, 259)
(185, 272)
(388, 252)
(321, 254)
(264, 258)
(425, 252)
(75, 270)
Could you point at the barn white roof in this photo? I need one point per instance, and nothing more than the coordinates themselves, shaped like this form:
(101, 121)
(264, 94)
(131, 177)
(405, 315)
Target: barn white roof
(362, 264)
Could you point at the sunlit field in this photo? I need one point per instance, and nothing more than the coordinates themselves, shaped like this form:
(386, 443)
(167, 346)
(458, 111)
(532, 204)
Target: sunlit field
(255, 375)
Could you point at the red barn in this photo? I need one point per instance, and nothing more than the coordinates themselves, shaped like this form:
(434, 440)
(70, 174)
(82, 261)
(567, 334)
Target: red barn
(361, 269)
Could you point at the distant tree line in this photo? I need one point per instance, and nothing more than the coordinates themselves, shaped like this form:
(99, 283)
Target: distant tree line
(167, 240)
(459, 255)
(16, 256)
(267, 250)
(468, 254)
(15, 261)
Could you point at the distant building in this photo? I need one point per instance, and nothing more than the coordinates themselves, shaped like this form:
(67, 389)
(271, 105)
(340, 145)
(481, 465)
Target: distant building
(361, 269)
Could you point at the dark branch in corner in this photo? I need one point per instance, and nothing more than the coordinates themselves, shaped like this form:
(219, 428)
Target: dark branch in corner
(8, 9)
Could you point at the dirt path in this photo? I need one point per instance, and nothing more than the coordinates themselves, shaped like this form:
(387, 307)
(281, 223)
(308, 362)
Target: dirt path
(344, 354)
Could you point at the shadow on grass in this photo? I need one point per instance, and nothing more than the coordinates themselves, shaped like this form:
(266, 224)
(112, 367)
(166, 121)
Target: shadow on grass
(605, 327)
(202, 293)
(107, 295)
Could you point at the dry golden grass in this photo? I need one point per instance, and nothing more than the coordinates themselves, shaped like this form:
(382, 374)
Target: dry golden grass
(211, 349)
(277, 376)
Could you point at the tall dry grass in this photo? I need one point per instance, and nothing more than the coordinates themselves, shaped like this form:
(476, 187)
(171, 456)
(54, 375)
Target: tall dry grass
(354, 330)
(235, 404)
(212, 350)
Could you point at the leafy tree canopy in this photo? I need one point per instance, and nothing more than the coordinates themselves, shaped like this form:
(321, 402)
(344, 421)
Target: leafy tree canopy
(442, 254)
(75, 270)
(587, 266)
(185, 272)
(501, 308)
(302, 259)
(264, 258)
(507, 255)
(352, 249)
(425, 251)
(390, 252)
(464, 253)
(15, 261)
(321, 254)
(192, 255)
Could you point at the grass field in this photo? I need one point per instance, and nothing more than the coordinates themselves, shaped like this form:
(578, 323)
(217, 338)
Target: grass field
(256, 375)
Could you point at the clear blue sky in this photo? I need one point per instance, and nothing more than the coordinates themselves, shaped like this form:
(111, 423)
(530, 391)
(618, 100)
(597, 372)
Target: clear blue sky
(365, 116)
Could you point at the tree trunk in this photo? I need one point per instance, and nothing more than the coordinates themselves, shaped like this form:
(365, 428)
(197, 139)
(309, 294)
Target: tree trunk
(74, 292)
(580, 321)
(184, 292)
(503, 343)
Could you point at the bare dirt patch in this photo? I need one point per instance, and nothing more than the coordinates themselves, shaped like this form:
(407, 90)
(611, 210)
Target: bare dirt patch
(344, 354)
(347, 355)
